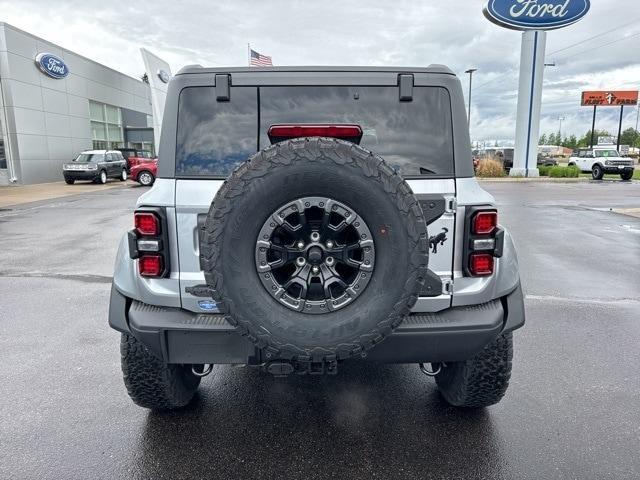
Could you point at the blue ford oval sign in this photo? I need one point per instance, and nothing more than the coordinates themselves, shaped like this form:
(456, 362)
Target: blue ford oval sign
(51, 65)
(535, 14)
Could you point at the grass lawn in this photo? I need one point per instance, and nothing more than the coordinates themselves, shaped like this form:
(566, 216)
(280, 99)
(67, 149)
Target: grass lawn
(636, 175)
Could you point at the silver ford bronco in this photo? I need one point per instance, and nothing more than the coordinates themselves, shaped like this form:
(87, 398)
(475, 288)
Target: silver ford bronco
(303, 217)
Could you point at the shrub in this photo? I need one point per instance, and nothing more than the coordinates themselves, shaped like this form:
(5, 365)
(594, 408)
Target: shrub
(557, 172)
(490, 167)
(544, 170)
(563, 172)
(573, 172)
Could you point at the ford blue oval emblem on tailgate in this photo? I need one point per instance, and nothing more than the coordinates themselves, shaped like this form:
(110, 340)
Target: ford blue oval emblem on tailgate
(208, 305)
(535, 14)
(51, 65)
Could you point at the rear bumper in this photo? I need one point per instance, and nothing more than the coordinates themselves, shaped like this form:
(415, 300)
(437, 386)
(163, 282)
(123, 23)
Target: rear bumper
(181, 336)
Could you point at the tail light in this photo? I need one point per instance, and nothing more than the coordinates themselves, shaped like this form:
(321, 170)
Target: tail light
(146, 223)
(484, 241)
(150, 265)
(148, 242)
(279, 133)
(484, 223)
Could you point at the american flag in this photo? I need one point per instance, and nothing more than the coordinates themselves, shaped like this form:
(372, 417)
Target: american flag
(258, 60)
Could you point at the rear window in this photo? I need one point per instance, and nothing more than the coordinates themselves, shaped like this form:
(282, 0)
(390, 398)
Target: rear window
(414, 137)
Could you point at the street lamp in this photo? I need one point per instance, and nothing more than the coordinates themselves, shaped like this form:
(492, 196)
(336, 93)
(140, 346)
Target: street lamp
(470, 72)
(560, 129)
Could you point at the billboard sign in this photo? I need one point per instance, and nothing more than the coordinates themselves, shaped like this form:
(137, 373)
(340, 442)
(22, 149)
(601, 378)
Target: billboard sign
(609, 98)
(535, 14)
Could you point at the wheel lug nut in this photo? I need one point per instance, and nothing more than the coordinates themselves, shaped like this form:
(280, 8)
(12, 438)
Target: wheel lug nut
(300, 244)
(329, 260)
(329, 244)
(315, 236)
(315, 270)
(300, 261)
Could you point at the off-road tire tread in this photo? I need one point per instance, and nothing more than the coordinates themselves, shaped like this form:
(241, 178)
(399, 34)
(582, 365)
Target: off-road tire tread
(482, 380)
(150, 382)
(326, 150)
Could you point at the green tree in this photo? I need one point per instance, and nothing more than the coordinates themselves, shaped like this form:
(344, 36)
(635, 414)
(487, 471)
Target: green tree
(586, 140)
(571, 142)
(543, 139)
(630, 137)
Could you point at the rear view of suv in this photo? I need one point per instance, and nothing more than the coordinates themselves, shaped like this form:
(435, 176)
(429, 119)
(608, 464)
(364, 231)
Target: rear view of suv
(303, 217)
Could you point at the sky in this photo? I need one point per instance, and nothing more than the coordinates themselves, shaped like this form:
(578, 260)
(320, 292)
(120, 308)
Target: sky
(366, 32)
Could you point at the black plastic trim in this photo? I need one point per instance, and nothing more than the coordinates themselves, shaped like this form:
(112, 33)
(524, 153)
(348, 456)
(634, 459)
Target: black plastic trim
(223, 91)
(181, 336)
(117, 311)
(433, 206)
(405, 84)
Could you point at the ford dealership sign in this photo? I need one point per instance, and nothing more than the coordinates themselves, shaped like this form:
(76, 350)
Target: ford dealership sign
(52, 65)
(535, 14)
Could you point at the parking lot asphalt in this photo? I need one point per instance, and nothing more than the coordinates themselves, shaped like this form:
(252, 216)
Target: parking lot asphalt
(572, 410)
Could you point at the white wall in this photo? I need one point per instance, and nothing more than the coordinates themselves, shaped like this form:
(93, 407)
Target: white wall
(47, 119)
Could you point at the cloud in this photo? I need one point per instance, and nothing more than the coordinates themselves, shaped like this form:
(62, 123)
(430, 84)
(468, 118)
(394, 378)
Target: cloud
(366, 32)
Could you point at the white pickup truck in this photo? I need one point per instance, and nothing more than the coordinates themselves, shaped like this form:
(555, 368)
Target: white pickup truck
(601, 160)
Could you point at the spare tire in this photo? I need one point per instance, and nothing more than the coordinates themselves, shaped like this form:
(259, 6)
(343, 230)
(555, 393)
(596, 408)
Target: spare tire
(315, 249)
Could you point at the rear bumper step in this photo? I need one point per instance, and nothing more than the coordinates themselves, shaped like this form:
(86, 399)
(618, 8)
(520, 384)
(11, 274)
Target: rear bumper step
(181, 336)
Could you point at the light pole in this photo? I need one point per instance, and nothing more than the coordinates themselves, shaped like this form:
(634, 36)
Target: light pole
(560, 129)
(470, 72)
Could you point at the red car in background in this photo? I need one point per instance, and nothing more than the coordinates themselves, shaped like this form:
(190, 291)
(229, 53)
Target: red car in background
(144, 171)
(141, 165)
(135, 156)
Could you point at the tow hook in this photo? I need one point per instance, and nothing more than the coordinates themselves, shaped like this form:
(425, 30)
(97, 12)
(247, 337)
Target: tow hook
(437, 368)
(206, 370)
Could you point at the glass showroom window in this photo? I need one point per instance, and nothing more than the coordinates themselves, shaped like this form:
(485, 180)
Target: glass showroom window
(106, 126)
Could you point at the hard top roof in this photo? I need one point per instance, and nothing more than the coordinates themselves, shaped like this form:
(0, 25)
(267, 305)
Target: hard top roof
(433, 68)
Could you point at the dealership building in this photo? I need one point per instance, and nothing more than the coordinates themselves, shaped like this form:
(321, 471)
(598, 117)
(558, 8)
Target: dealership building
(55, 103)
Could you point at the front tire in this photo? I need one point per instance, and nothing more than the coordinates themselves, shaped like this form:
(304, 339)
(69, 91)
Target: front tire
(626, 175)
(69, 181)
(123, 175)
(150, 382)
(480, 381)
(597, 173)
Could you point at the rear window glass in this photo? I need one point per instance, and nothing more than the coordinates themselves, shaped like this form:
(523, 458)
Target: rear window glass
(414, 137)
(214, 137)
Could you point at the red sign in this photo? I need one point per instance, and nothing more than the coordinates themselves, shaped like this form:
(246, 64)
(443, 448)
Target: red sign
(610, 98)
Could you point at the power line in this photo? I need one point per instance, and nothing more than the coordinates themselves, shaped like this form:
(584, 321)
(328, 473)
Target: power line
(595, 36)
(574, 45)
(600, 46)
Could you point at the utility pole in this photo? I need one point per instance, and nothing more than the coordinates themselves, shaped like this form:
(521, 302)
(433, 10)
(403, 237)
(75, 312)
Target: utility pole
(470, 72)
(560, 128)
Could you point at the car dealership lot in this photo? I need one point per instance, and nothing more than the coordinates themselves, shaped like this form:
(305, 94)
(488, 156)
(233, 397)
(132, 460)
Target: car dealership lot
(571, 410)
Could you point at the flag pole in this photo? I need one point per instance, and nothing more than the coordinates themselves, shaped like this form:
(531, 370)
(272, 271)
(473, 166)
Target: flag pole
(248, 54)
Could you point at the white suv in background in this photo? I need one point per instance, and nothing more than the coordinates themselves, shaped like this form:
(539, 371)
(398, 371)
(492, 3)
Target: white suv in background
(601, 160)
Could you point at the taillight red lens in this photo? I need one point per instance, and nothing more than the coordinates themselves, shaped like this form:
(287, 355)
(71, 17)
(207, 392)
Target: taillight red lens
(481, 264)
(484, 223)
(146, 223)
(150, 265)
(295, 131)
